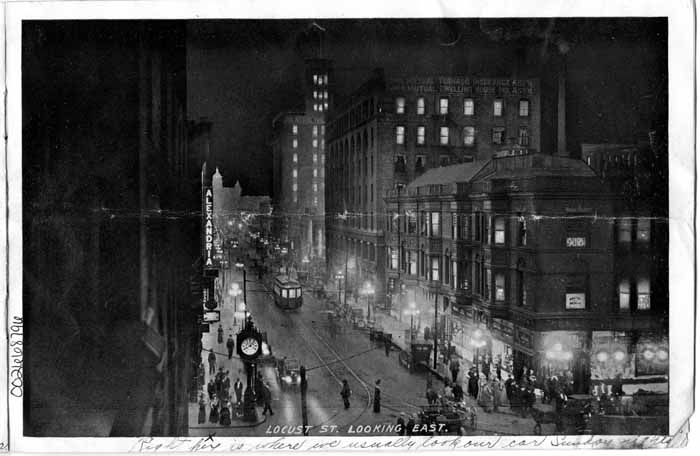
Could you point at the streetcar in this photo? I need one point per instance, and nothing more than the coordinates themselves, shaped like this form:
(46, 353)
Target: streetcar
(287, 293)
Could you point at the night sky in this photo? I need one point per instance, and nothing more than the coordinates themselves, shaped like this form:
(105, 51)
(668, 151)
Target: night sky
(242, 73)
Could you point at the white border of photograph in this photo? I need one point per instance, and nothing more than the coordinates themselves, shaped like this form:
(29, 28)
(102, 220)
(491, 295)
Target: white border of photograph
(681, 151)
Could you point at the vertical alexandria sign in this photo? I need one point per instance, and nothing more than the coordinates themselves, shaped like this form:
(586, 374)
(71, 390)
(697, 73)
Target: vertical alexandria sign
(208, 238)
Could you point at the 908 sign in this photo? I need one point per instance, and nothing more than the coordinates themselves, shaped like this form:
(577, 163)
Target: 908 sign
(576, 241)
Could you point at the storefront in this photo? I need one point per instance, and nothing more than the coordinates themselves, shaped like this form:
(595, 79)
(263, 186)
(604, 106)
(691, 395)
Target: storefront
(564, 354)
(502, 332)
(462, 328)
(523, 352)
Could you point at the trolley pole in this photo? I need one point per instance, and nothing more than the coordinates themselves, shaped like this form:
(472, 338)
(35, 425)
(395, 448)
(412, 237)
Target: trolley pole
(304, 414)
(435, 334)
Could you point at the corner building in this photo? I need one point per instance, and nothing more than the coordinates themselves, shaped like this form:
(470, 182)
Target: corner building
(298, 151)
(391, 131)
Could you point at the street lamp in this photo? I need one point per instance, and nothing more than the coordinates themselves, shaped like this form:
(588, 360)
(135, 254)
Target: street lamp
(235, 291)
(477, 342)
(367, 291)
(412, 310)
(339, 276)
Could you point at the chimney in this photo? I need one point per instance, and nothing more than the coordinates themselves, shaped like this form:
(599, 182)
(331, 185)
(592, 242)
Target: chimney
(561, 113)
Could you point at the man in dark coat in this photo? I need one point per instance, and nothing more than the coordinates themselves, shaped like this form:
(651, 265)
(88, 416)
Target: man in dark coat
(212, 362)
(238, 389)
(211, 388)
(377, 397)
(230, 345)
(473, 385)
(458, 392)
(454, 369)
(267, 399)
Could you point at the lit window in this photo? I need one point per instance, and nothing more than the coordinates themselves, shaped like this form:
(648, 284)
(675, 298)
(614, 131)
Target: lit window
(295, 158)
(294, 172)
(315, 158)
(294, 197)
(643, 229)
(524, 109)
(314, 143)
(444, 105)
(315, 78)
(420, 106)
(315, 107)
(325, 94)
(315, 186)
(523, 137)
(295, 143)
(295, 129)
(325, 79)
(468, 106)
(420, 135)
(624, 230)
(435, 224)
(455, 275)
(498, 108)
(323, 144)
(400, 105)
(314, 130)
(469, 136)
(522, 231)
(325, 106)
(455, 225)
(323, 129)
(394, 258)
(315, 172)
(323, 157)
(500, 286)
(444, 135)
(294, 187)
(412, 262)
(624, 294)
(315, 94)
(315, 201)
(643, 295)
(498, 135)
(400, 134)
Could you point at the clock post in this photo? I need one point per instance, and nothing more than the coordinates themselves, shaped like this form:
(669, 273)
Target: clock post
(249, 343)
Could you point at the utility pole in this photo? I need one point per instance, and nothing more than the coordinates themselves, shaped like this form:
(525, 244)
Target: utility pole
(303, 387)
(435, 333)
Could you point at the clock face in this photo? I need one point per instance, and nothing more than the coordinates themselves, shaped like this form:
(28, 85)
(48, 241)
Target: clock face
(249, 346)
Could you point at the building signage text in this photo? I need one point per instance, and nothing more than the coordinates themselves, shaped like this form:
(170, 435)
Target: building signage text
(462, 85)
(209, 257)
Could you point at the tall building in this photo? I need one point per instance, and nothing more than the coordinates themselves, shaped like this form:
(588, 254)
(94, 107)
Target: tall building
(110, 322)
(392, 130)
(299, 154)
(524, 262)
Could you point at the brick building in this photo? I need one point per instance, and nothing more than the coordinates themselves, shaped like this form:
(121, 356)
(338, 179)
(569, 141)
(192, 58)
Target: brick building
(525, 247)
(392, 130)
(298, 151)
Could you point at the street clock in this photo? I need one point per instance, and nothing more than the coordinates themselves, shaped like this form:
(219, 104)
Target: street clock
(249, 344)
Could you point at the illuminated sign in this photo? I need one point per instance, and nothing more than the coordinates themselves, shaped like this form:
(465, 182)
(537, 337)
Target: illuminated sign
(212, 316)
(576, 300)
(210, 261)
(575, 241)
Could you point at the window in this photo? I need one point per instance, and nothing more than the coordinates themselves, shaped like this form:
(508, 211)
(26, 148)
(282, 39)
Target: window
(643, 295)
(500, 286)
(435, 224)
(643, 230)
(499, 230)
(412, 262)
(412, 222)
(468, 106)
(295, 198)
(444, 160)
(400, 164)
(294, 187)
(314, 130)
(455, 225)
(420, 106)
(315, 94)
(524, 108)
(295, 158)
(420, 135)
(294, 173)
(522, 231)
(400, 105)
(435, 268)
(498, 108)
(498, 135)
(325, 79)
(325, 106)
(295, 143)
(624, 230)
(325, 94)
(316, 79)
(400, 134)
(315, 186)
(424, 223)
(315, 201)
(446, 269)
(444, 136)
(315, 107)
(315, 157)
(523, 136)
(295, 129)
(624, 294)
(469, 136)
(454, 281)
(314, 143)
(465, 226)
(522, 293)
(323, 129)
(444, 105)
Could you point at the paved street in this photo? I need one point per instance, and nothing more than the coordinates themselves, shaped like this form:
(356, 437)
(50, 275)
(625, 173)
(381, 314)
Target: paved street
(329, 356)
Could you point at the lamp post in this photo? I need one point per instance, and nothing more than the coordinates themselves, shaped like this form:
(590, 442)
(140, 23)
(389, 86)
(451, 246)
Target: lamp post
(368, 290)
(234, 292)
(412, 311)
(339, 276)
(477, 342)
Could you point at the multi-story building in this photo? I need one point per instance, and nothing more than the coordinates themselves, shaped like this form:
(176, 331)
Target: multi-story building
(525, 247)
(298, 151)
(392, 130)
(111, 326)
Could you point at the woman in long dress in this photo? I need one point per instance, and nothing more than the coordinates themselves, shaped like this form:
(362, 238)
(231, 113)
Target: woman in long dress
(202, 417)
(225, 419)
(214, 412)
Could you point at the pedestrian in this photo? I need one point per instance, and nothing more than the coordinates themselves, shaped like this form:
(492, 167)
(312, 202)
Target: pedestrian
(238, 388)
(486, 367)
(225, 414)
(473, 385)
(447, 393)
(225, 387)
(345, 393)
(218, 382)
(410, 424)
(431, 395)
(498, 368)
(377, 397)
(230, 345)
(617, 386)
(387, 345)
(214, 412)
(267, 399)
(212, 362)
(259, 389)
(454, 369)
(495, 391)
(211, 388)
(458, 392)
(401, 424)
(202, 417)
(220, 336)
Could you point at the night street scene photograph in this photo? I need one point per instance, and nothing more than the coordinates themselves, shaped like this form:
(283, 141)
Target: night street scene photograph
(345, 227)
